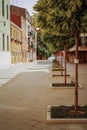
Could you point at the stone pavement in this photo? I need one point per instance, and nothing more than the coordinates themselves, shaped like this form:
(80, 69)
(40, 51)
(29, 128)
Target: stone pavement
(24, 99)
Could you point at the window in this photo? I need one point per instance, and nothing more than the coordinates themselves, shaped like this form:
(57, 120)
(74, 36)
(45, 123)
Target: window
(14, 33)
(7, 11)
(2, 7)
(3, 41)
(18, 36)
(84, 41)
(7, 43)
(28, 28)
(11, 31)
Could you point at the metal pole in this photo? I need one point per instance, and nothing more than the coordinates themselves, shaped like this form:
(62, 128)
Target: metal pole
(76, 73)
(65, 62)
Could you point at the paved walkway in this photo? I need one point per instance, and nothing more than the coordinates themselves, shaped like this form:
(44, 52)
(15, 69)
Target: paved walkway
(24, 99)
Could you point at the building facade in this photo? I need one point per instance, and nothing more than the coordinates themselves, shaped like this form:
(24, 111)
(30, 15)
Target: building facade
(30, 30)
(16, 44)
(5, 55)
(20, 21)
(82, 50)
(33, 43)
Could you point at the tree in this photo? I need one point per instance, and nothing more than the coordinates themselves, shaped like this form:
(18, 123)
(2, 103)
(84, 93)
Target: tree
(77, 17)
(60, 16)
(42, 48)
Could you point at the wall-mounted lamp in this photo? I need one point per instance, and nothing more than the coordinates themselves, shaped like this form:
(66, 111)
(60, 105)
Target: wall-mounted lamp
(38, 29)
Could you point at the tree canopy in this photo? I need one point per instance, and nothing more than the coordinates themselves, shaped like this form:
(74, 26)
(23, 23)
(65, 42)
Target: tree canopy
(60, 16)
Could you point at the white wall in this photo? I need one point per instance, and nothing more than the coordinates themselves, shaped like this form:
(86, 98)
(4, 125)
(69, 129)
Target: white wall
(5, 58)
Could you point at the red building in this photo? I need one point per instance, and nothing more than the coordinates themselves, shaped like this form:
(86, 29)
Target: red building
(15, 18)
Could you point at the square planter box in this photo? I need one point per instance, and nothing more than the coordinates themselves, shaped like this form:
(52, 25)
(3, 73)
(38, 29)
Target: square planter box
(57, 75)
(62, 85)
(58, 69)
(61, 79)
(58, 115)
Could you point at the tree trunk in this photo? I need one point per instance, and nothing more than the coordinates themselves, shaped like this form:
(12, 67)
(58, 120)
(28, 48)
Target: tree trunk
(61, 66)
(65, 63)
(76, 71)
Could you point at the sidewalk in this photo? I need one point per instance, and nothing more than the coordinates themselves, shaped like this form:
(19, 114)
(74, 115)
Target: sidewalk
(7, 73)
(24, 100)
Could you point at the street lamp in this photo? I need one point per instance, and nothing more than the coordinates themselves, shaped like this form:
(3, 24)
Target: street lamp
(38, 29)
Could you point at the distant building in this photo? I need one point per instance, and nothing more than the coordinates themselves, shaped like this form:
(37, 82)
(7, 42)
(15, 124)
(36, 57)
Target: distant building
(16, 44)
(33, 43)
(30, 32)
(5, 55)
(82, 50)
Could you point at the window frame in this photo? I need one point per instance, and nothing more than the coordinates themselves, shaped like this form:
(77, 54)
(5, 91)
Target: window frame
(3, 7)
(3, 42)
(7, 43)
(7, 15)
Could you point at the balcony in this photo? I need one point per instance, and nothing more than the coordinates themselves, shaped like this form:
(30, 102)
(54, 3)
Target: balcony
(29, 33)
(12, 39)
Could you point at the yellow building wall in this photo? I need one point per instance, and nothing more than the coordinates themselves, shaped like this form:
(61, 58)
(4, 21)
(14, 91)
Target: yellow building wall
(16, 44)
(24, 48)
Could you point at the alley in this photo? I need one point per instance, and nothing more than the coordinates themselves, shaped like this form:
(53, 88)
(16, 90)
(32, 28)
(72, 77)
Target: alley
(24, 99)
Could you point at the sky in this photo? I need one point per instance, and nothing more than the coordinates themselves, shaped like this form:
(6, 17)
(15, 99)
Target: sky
(27, 4)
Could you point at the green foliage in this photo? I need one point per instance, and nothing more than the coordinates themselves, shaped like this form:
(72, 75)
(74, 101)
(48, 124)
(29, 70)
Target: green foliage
(59, 15)
(42, 48)
(57, 42)
(60, 20)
